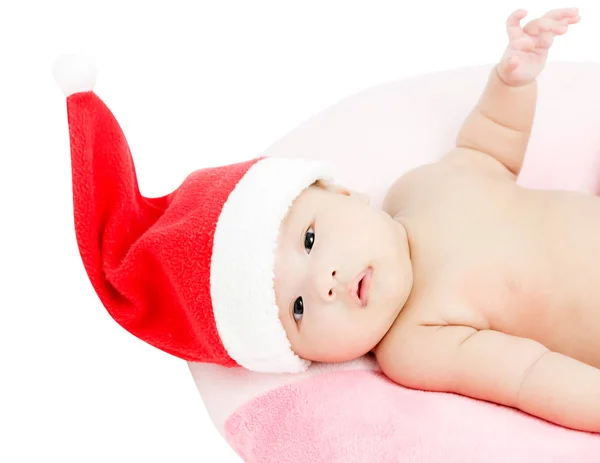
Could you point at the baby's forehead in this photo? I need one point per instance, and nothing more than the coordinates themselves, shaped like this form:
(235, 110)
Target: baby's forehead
(314, 198)
(303, 206)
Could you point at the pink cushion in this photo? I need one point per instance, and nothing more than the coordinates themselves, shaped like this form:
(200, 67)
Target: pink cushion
(348, 412)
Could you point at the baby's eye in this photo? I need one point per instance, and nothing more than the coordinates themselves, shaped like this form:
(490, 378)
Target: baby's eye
(309, 239)
(298, 309)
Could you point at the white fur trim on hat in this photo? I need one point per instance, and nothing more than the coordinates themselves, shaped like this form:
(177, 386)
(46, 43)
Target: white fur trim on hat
(74, 74)
(243, 258)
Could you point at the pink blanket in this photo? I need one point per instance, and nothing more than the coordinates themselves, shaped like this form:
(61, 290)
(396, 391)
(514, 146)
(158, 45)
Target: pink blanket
(348, 412)
(317, 420)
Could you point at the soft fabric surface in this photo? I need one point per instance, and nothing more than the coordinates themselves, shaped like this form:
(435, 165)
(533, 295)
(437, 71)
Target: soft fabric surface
(361, 416)
(335, 413)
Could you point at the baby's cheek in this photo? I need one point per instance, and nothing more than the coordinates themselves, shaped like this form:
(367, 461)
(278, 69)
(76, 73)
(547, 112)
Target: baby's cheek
(326, 337)
(347, 337)
(325, 327)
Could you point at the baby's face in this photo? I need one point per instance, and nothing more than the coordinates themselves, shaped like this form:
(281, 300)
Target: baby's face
(342, 274)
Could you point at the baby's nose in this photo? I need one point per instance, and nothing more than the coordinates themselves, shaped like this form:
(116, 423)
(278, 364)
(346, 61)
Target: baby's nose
(328, 286)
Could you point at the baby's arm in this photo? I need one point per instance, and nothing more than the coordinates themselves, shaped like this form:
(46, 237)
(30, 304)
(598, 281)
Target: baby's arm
(500, 124)
(500, 368)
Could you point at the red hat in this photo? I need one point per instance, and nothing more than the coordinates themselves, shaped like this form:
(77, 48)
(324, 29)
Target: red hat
(191, 273)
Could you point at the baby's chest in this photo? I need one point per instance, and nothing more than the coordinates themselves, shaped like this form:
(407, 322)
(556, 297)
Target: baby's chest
(521, 296)
(481, 265)
(484, 290)
(517, 288)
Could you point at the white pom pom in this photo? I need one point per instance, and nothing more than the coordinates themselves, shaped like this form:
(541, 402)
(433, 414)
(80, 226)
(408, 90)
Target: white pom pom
(74, 74)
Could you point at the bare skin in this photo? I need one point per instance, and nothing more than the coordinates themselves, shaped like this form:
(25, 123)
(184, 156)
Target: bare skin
(504, 304)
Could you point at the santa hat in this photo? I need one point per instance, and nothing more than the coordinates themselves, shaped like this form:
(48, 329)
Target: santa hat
(190, 273)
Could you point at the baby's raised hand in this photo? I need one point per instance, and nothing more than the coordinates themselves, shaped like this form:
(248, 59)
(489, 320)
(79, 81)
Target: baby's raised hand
(528, 46)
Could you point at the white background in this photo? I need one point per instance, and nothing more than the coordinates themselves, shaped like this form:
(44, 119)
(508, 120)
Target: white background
(193, 84)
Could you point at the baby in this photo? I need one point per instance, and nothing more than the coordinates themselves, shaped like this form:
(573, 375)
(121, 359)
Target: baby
(465, 282)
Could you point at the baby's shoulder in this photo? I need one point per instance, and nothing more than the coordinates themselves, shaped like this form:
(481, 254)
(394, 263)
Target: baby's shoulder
(410, 352)
(431, 306)
(414, 185)
(458, 170)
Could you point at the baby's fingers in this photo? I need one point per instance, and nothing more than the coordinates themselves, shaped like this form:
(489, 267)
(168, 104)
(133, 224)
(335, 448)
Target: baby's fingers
(540, 25)
(513, 23)
(564, 15)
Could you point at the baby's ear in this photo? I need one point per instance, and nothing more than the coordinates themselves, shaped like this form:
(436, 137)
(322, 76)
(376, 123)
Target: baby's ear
(341, 190)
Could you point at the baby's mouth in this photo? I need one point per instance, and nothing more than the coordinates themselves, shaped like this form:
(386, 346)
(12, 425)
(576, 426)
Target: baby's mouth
(361, 287)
